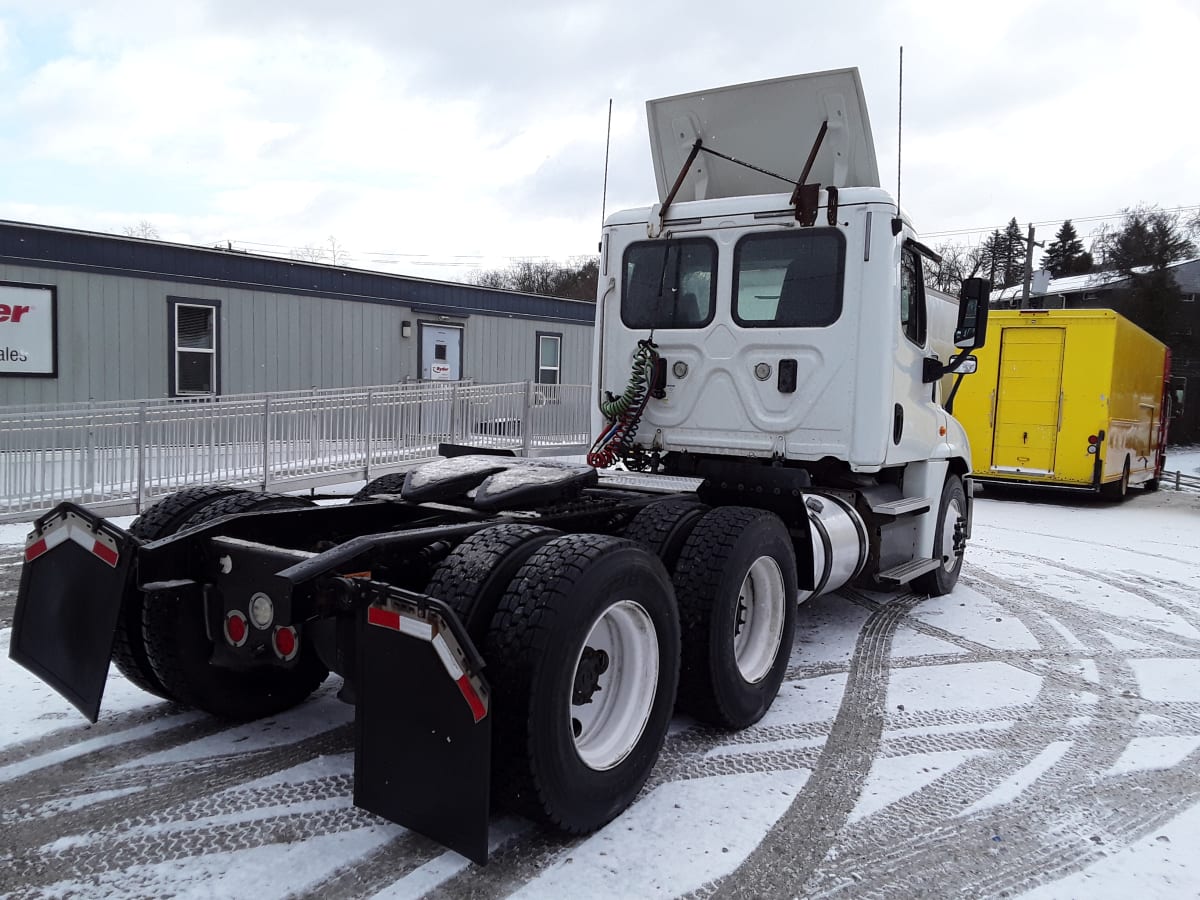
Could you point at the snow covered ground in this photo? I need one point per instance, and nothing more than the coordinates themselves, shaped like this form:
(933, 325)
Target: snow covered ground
(1036, 733)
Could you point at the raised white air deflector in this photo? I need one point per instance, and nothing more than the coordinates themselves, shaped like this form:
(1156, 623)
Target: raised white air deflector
(770, 124)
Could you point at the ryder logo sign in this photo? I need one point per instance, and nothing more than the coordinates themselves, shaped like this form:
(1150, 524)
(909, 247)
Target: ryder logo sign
(28, 344)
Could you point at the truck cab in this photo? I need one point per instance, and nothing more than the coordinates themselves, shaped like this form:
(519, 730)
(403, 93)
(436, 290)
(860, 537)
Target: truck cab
(791, 330)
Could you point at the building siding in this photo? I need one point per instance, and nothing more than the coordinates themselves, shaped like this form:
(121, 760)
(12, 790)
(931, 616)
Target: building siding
(113, 339)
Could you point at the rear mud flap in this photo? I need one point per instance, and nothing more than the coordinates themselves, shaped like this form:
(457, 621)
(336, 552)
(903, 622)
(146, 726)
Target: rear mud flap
(423, 723)
(76, 572)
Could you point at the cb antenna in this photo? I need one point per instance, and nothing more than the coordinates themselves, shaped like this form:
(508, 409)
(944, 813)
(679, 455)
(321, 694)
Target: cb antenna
(898, 223)
(607, 144)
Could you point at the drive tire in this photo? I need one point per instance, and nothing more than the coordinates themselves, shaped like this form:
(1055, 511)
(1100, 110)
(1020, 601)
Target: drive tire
(178, 647)
(663, 527)
(161, 520)
(384, 484)
(572, 765)
(942, 580)
(735, 554)
(473, 578)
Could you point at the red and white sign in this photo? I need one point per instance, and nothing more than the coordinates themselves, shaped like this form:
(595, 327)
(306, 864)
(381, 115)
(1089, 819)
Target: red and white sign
(440, 371)
(27, 329)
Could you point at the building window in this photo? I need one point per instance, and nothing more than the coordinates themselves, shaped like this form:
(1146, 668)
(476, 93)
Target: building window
(549, 358)
(195, 360)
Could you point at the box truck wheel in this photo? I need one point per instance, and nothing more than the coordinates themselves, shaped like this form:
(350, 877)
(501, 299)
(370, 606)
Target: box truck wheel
(663, 527)
(1119, 489)
(951, 516)
(735, 583)
(179, 650)
(163, 519)
(583, 660)
(474, 576)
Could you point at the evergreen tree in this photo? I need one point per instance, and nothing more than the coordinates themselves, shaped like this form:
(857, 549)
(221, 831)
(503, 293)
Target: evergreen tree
(1013, 249)
(1065, 254)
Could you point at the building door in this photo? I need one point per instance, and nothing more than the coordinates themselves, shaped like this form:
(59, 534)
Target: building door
(441, 352)
(1028, 400)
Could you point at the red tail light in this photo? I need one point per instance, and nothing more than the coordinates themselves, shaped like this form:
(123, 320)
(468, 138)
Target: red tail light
(287, 642)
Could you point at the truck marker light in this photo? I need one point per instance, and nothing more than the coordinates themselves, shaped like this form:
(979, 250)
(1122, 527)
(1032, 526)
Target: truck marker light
(1093, 440)
(36, 549)
(287, 644)
(236, 630)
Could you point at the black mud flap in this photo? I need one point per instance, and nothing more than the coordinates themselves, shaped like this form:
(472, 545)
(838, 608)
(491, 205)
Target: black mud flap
(76, 571)
(423, 722)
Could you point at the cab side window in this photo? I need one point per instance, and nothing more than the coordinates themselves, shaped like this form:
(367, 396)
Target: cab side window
(912, 298)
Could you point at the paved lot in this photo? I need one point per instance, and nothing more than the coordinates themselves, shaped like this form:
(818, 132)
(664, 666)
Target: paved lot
(1037, 731)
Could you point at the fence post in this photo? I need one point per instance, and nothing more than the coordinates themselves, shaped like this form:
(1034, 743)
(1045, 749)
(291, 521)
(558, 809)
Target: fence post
(266, 445)
(370, 435)
(455, 425)
(527, 419)
(141, 458)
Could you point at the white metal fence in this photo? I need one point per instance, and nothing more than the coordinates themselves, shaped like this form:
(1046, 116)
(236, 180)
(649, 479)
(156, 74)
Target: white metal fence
(116, 456)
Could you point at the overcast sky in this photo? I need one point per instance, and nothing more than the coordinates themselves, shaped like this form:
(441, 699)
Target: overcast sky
(430, 138)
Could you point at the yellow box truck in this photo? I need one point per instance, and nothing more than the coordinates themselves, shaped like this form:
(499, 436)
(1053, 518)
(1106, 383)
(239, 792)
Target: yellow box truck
(1074, 398)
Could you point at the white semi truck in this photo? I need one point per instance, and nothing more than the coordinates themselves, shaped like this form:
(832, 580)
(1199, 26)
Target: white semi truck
(518, 632)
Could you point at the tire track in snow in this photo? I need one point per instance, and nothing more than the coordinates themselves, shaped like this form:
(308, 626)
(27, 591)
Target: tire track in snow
(936, 855)
(795, 845)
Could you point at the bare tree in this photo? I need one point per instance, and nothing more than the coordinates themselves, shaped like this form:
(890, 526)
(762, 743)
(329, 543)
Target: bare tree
(331, 252)
(572, 280)
(143, 229)
(958, 262)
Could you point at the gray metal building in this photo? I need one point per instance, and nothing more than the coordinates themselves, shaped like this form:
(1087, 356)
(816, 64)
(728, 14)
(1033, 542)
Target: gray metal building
(88, 316)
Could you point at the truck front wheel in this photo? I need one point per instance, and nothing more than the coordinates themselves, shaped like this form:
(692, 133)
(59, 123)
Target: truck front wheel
(583, 660)
(736, 587)
(947, 541)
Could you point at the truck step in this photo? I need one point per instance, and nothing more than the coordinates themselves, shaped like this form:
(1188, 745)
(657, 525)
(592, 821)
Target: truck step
(906, 572)
(901, 507)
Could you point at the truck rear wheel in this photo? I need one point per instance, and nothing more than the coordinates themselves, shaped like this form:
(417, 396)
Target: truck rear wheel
(583, 662)
(473, 578)
(736, 588)
(1117, 490)
(161, 520)
(663, 527)
(951, 511)
(179, 650)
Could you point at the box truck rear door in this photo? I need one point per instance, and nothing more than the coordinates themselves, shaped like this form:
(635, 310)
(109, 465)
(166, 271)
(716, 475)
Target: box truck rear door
(1028, 399)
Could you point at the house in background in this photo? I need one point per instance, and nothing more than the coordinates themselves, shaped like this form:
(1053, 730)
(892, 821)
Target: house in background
(89, 316)
(1111, 290)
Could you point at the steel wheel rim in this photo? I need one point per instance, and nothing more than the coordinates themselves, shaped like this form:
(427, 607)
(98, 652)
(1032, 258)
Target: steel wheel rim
(953, 514)
(758, 619)
(608, 726)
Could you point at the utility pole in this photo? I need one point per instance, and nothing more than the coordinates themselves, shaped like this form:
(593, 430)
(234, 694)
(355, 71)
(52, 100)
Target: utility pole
(1029, 245)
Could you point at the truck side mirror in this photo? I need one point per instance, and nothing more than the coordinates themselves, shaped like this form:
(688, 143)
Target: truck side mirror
(972, 314)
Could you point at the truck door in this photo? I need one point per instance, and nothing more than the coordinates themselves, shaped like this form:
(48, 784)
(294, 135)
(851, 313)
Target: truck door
(1028, 400)
(441, 352)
